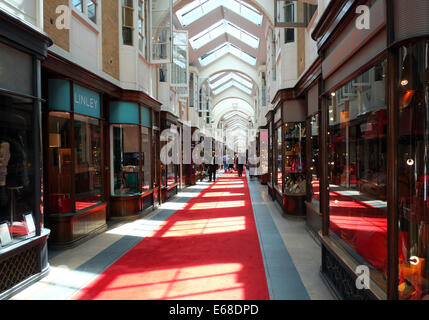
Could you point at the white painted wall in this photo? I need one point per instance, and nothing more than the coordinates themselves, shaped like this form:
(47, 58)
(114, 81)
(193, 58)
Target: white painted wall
(30, 11)
(85, 44)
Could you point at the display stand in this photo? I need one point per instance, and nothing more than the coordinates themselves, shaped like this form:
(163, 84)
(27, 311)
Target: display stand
(295, 174)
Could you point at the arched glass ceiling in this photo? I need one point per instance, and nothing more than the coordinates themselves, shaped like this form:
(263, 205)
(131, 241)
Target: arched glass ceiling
(231, 83)
(224, 49)
(220, 28)
(198, 8)
(232, 76)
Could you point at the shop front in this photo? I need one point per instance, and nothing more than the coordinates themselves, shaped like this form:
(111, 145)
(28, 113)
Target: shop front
(373, 146)
(262, 154)
(74, 137)
(290, 135)
(170, 147)
(23, 236)
(270, 178)
(131, 160)
(189, 170)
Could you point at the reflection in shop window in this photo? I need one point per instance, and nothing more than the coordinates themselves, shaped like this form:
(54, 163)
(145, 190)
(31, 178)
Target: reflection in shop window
(357, 168)
(146, 160)
(314, 162)
(279, 158)
(16, 170)
(60, 163)
(88, 182)
(413, 168)
(125, 160)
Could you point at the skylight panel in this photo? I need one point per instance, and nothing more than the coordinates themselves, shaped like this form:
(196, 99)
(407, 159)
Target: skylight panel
(233, 76)
(220, 28)
(198, 8)
(229, 85)
(216, 76)
(224, 49)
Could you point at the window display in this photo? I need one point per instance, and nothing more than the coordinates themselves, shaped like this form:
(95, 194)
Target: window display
(74, 148)
(146, 160)
(413, 165)
(60, 160)
(314, 173)
(357, 167)
(279, 157)
(270, 153)
(16, 173)
(87, 162)
(125, 160)
(294, 152)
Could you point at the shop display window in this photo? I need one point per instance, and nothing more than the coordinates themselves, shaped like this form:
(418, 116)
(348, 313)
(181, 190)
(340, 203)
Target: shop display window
(88, 181)
(16, 170)
(169, 172)
(126, 160)
(413, 168)
(357, 153)
(146, 160)
(279, 158)
(270, 153)
(314, 170)
(60, 163)
(294, 153)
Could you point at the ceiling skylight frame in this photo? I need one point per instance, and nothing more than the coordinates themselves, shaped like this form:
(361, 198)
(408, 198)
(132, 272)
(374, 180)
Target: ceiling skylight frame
(220, 28)
(229, 84)
(199, 8)
(232, 76)
(224, 49)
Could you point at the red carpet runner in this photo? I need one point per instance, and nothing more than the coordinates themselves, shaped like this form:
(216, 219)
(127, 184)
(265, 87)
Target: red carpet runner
(207, 250)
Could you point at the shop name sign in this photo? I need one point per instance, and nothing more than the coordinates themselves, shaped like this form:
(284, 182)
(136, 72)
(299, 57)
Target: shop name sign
(355, 39)
(86, 102)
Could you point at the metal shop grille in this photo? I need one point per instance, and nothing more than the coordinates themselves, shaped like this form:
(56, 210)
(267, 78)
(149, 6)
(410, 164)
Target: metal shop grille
(147, 202)
(342, 280)
(18, 268)
(172, 192)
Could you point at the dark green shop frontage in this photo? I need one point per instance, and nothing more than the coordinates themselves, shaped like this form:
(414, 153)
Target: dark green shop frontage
(100, 154)
(23, 236)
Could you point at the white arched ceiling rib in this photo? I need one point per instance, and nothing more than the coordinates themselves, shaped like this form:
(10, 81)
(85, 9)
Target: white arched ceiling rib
(233, 92)
(231, 105)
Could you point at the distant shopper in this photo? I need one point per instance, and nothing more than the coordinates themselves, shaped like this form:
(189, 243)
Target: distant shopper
(225, 164)
(213, 168)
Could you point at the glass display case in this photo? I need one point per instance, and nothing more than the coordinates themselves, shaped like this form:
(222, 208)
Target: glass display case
(314, 163)
(295, 182)
(413, 167)
(357, 163)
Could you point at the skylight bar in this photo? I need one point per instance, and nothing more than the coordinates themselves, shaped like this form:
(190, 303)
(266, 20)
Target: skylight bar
(221, 27)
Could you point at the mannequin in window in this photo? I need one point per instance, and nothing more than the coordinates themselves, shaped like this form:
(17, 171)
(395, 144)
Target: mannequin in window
(4, 161)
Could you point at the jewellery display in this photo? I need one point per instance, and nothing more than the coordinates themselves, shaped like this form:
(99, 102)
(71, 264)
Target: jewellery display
(294, 147)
